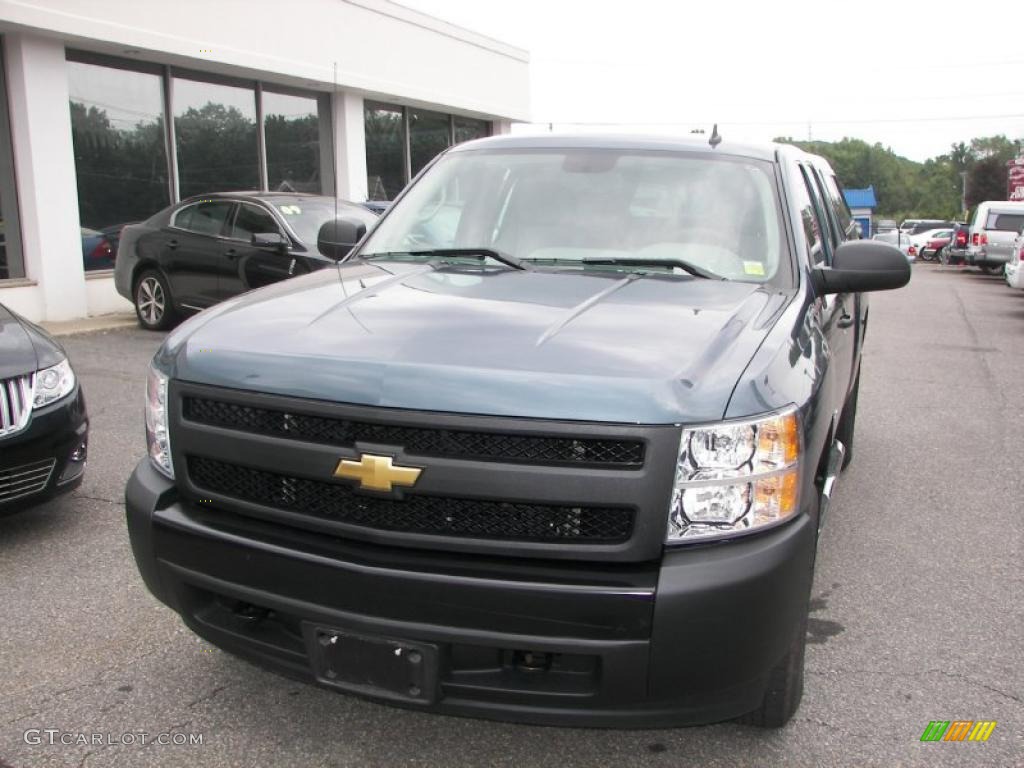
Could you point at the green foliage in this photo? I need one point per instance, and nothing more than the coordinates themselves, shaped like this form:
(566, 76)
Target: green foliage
(928, 190)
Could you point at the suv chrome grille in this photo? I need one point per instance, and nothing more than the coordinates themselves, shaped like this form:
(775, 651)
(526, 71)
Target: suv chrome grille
(16, 403)
(16, 482)
(422, 441)
(439, 516)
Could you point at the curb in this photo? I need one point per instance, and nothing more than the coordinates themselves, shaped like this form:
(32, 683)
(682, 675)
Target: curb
(90, 324)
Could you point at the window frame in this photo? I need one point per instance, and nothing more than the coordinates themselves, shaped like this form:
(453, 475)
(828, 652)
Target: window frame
(239, 205)
(194, 204)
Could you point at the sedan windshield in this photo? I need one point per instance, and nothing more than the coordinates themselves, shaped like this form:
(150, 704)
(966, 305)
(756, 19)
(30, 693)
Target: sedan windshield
(595, 209)
(305, 215)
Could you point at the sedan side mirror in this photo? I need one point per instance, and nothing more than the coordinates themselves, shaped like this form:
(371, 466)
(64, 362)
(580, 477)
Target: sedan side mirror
(273, 240)
(863, 265)
(338, 236)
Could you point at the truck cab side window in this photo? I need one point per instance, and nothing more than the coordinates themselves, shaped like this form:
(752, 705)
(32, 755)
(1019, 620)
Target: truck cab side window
(815, 231)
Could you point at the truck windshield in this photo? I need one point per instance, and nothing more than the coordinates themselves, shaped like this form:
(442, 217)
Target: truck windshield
(595, 209)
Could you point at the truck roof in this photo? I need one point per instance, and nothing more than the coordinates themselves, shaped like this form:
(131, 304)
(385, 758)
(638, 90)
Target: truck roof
(765, 151)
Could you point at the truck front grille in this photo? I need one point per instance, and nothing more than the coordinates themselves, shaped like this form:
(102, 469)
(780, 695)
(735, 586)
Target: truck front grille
(530, 449)
(15, 403)
(23, 480)
(441, 516)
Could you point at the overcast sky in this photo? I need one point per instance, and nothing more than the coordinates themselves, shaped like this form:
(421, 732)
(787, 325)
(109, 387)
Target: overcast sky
(916, 76)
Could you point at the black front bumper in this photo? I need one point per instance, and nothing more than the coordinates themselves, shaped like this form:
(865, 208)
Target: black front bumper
(52, 436)
(689, 639)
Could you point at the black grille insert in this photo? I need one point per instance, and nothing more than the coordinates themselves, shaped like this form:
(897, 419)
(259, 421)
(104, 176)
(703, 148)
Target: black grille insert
(417, 440)
(485, 519)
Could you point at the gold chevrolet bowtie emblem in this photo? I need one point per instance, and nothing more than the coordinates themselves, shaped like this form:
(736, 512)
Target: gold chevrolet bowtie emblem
(376, 473)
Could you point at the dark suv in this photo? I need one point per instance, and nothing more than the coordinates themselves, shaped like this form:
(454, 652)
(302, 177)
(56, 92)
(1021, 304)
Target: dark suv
(553, 444)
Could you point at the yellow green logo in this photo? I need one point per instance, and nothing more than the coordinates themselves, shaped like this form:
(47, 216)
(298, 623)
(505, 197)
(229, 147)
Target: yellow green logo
(958, 730)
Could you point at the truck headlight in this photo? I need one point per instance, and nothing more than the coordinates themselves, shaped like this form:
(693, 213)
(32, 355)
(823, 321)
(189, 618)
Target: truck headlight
(53, 383)
(157, 438)
(735, 476)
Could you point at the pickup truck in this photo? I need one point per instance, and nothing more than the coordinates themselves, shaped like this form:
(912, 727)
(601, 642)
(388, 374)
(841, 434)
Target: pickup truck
(552, 444)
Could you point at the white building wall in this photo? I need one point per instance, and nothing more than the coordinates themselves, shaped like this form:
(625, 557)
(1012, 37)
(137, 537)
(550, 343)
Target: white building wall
(44, 163)
(381, 49)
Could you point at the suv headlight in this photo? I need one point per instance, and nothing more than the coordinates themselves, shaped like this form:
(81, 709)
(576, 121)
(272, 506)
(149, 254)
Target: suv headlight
(735, 476)
(157, 438)
(53, 383)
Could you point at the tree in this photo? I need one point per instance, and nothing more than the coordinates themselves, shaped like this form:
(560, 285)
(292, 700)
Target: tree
(986, 180)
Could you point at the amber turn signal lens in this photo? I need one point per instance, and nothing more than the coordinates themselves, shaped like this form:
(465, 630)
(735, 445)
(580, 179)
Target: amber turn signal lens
(778, 441)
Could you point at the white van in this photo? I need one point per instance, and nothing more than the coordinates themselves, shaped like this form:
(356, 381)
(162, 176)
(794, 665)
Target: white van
(993, 230)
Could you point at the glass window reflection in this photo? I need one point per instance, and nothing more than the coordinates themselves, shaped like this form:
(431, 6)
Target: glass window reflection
(291, 126)
(117, 129)
(215, 132)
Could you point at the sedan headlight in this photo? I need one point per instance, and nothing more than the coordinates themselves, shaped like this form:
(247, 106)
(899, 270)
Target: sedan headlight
(157, 438)
(735, 476)
(53, 383)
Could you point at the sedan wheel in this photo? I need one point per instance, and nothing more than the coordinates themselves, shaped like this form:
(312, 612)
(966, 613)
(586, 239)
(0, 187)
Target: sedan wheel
(153, 302)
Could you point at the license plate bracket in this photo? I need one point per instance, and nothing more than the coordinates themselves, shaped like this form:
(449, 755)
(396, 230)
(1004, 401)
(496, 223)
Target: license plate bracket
(383, 667)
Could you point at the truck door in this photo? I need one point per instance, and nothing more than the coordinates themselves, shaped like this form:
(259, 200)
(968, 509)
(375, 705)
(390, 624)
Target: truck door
(836, 313)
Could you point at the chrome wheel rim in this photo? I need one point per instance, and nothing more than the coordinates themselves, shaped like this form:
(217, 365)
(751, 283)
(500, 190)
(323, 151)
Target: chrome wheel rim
(150, 300)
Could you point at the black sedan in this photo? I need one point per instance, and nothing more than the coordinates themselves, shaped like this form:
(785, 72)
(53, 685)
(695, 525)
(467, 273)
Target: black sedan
(44, 430)
(206, 249)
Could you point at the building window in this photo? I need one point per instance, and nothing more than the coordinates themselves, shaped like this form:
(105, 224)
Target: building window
(467, 129)
(400, 141)
(11, 264)
(118, 132)
(385, 150)
(215, 133)
(429, 135)
(291, 127)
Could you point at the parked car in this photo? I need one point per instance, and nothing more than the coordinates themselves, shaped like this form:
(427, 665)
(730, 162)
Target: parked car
(566, 462)
(97, 252)
(930, 242)
(993, 229)
(1014, 272)
(205, 249)
(956, 249)
(44, 429)
(917, 226)
(900, 241)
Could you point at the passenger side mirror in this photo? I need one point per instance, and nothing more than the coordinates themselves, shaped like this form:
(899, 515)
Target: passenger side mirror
(270, 240)
(863, 265)
(337, 237)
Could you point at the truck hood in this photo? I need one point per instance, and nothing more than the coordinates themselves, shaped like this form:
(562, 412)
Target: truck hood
(593, 346)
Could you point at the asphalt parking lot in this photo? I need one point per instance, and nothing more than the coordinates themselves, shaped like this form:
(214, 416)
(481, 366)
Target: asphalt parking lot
(917, 612)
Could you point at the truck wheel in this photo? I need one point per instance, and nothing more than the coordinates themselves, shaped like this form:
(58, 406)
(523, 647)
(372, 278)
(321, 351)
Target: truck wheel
(153, 305)
(785, 686)
(992, 269)
(847, 422)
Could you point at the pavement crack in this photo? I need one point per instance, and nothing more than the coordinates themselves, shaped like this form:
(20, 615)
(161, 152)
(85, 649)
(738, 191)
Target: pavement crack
(207, 697)
(945, 673)
(118, 502)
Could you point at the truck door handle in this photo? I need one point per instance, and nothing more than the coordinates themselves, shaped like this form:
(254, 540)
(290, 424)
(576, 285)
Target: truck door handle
(231, 253)
(845, 320)
(172, 244)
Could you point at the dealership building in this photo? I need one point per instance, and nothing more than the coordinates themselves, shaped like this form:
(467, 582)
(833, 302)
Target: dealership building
(111, 111)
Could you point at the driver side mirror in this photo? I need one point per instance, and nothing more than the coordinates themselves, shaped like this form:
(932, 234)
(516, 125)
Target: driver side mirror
(274, 240)
(863, 265)
(338, 236)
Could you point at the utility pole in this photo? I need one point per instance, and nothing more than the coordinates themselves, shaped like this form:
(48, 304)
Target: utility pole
(963, 193)
(810, 135)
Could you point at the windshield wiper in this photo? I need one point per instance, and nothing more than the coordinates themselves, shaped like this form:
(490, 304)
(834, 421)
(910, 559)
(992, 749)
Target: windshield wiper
(481, 253)
(686, 266)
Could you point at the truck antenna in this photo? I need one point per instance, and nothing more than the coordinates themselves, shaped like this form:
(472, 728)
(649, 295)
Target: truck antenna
(715, 139)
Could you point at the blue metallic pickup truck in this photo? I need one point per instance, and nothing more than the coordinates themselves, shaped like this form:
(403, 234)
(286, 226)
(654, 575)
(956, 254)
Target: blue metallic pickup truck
(553, 443)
